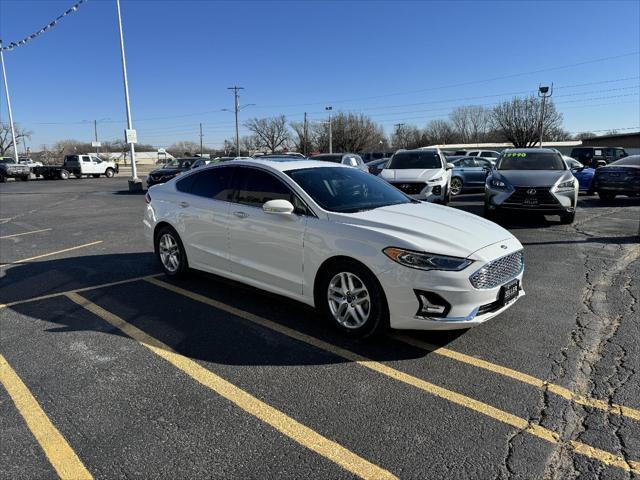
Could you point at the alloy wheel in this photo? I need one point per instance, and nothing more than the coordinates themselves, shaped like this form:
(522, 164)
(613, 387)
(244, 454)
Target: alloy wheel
(169, 252)
(456, 186)
(349, 300)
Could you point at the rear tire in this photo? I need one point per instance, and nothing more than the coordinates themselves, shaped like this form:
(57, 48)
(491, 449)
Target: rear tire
(109, 172)
(170, 252)
(607, 196)
(64, 175)
(350, 297)
(567, 218)
(456, 186)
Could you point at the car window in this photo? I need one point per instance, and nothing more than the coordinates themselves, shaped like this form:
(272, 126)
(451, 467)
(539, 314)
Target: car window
(351, 161)
(215, 183)
(481, 162)
(86, 158)
(489, 154)
(256, 187)
(467, 162)
(415, 160)
(473, 154)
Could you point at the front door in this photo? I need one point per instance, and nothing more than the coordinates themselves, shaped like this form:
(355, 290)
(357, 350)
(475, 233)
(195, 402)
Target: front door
(266, 249)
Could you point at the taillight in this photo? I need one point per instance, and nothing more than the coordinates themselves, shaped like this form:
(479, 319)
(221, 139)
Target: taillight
(147, 198)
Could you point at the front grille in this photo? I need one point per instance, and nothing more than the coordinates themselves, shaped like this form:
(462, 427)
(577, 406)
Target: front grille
(498, 271)
(410, 188)
(540, 196)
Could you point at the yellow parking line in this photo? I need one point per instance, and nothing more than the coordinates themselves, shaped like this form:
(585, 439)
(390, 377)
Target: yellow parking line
(603, 456)
(522, 377)
(77, 290)
(25, 233)
(24, 260)
(63, 459)
(264, 412)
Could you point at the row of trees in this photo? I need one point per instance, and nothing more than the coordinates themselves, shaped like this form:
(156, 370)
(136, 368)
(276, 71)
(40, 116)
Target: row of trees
(516, 121)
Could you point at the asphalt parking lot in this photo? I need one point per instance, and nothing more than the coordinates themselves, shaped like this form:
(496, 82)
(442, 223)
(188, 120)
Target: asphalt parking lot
(111, 370)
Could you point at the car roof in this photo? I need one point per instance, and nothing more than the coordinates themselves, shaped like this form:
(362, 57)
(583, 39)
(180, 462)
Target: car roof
(284, 164)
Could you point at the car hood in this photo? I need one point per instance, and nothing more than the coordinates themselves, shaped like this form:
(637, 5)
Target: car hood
(430, 228)
(411, 174)
(165, 171)
(534, 178)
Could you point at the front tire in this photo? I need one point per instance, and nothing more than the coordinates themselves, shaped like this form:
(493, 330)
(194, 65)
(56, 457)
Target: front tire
(456, 186)
(170, 252)
(350, 297)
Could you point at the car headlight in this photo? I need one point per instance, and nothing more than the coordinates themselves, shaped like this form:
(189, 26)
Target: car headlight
(496, 183)
(426, 261)
(568, 185)
(433, 180)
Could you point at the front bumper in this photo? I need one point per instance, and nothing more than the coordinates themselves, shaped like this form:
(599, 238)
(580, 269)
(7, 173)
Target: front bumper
(427, 192)
(469, 306)
(534, 199)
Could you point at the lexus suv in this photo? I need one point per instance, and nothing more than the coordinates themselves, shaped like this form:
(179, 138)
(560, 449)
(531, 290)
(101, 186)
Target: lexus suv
(363, 253)
(424, 174)
(532, 180)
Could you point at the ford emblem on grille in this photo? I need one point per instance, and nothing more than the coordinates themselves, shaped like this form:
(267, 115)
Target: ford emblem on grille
(532, 191)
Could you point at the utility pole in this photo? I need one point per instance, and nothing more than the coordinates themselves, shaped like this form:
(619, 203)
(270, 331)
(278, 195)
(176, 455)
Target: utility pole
(95, 131)
(201, 139)
(6, 89)
(329, 109)
(134, 182)
(398, 127)
(236, 94)
(544, 92)
(305, 133)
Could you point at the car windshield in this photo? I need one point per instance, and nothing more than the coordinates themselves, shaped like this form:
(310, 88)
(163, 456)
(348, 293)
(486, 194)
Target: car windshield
(178, 162)
(634, 160)
(346, 190)
(530, 161)
(417, 160)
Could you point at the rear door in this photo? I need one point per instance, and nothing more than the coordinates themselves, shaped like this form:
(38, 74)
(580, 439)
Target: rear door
(477, 172)
(266, 249)
(87, 165)
(203, 217)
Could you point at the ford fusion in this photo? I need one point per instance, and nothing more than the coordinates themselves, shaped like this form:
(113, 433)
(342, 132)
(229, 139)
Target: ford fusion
(363, 253)
(532, 180)
(423, 174)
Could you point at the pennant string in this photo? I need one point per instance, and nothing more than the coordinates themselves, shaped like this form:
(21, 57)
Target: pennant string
(44, 29)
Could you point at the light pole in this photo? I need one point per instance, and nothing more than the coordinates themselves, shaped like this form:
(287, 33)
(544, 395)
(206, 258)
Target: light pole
(135, 184)
(6, 89)
(329, 109)
(236, 110)
(544, 92)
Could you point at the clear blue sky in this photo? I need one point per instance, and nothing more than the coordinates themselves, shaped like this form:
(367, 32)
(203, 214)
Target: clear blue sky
(395, 61)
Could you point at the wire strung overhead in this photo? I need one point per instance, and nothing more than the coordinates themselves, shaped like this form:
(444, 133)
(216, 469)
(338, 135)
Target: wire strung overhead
(44, 29)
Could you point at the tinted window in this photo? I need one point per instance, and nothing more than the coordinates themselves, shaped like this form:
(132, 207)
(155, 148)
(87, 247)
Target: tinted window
(256, 187)
(415, 159)
(530, 161)
(215, 184)
(490, 154)
(632, 160)
(473, 154)
(328, 158)
(346, 189)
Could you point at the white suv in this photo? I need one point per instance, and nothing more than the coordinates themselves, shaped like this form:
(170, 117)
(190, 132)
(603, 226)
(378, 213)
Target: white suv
(423, 174)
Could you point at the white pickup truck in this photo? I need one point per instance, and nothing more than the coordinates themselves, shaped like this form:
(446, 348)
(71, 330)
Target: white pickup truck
(78, 165)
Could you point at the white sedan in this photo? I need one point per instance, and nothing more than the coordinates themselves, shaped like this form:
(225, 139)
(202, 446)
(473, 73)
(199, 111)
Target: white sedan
(362, 252)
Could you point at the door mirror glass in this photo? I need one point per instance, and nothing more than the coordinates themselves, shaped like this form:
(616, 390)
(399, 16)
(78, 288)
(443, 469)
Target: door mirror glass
(282, 207)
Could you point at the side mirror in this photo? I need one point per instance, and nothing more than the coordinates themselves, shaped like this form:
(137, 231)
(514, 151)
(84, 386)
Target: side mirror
(450, 166)
(280, 207)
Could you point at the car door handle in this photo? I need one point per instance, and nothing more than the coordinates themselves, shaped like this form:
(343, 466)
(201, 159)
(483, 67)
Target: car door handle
(184, 204)
(241, 214)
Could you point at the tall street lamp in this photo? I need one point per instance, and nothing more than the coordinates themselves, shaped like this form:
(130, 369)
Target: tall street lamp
(544, 92)
(329, 109)
(6, 89)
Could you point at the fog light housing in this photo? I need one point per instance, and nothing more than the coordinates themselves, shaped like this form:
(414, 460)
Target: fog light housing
(431, 305)
(437, 190)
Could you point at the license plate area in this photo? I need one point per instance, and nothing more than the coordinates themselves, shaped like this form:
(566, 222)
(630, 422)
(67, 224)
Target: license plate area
(531, 202)
(509, 292)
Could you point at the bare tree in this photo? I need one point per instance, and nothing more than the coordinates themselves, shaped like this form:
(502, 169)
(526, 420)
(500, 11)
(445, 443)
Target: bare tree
(584, 135)
(249, 143)
(185, 148)
(303, 143)
(6, 140)
(407, 136)
(351, 133)
(440, 132)
(471, 123)
(271, 133)
(519, 120)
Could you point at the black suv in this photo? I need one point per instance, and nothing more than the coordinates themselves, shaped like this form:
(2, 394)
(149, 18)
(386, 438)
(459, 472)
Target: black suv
(170, 170)
(595, 157)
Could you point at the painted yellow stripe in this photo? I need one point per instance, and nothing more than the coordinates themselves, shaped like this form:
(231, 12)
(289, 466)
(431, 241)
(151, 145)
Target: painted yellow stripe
(24, 260)
(521, 377)
(264, 412)
(63, 459)
(454, 397)
(77, 290)
(25, 233)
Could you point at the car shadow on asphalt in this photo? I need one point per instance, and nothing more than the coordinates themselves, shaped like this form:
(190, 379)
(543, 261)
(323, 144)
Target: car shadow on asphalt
(192, 328)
